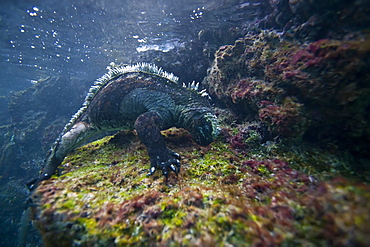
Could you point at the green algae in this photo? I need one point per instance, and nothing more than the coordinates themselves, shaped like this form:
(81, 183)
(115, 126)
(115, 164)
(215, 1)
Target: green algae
(222, 197)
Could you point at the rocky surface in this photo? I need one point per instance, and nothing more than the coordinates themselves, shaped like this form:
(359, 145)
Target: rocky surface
(225, 195)
(38, 114)
(313, 90)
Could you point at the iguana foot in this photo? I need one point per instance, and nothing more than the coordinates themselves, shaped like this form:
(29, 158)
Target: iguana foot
(166, 161)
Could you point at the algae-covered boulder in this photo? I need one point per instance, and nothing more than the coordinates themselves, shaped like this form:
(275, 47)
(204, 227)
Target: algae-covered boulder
(312, 91)
(222, 197)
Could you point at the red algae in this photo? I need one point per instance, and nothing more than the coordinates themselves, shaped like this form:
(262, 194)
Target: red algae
(223, 196)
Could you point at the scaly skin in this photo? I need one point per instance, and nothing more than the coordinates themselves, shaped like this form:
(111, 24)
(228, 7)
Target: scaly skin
(144, 101)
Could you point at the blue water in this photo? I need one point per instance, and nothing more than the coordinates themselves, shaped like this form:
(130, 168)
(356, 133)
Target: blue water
(79, 39)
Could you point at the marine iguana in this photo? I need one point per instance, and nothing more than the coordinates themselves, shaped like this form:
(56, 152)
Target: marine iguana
(140, 96)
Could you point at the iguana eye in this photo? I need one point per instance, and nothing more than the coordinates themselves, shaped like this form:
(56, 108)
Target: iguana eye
(204, 134)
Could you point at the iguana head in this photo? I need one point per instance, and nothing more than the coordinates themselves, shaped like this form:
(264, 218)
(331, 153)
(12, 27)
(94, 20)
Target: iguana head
(204, 129)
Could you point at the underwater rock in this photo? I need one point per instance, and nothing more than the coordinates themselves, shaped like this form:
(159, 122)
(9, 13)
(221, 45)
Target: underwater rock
(221, 197)
(314, 19)
(318, 89)
(37, 115)
(187, 65)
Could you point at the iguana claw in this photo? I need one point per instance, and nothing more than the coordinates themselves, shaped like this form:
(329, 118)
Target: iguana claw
(167, 161)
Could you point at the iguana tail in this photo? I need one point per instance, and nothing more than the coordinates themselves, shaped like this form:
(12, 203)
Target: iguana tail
(67, 142)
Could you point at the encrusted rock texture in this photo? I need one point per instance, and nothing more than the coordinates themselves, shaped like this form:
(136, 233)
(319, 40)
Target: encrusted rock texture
(314, 90)
(223, 196)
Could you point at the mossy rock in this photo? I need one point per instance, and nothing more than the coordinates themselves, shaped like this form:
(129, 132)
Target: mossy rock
(221, 197)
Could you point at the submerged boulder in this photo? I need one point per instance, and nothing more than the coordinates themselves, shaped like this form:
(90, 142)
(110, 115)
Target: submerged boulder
(317, 90)
(222, 196)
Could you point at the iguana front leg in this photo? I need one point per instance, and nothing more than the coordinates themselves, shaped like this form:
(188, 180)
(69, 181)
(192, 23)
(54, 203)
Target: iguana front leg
(148, 126)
